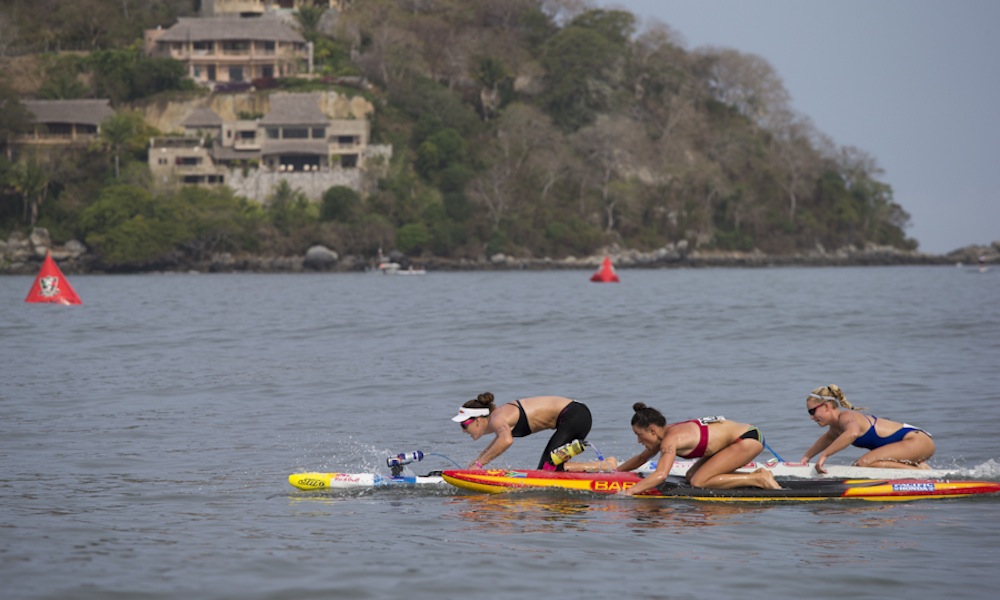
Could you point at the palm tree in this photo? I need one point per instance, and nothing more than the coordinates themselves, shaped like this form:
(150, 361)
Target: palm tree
(30, 179)
(122, 132)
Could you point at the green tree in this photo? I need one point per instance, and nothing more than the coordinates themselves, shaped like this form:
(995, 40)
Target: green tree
(440, 150)
(576, 61)
(288, 207)
(495, 86)
(30, 178)
(128, 227)
(215, 220)
(340, 204)
(413, 238)
(15, 119)
(308, 18)
(124, 75)
(583, 67)
(124, 132)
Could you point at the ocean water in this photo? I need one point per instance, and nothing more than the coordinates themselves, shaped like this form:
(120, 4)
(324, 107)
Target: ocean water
(146, 436)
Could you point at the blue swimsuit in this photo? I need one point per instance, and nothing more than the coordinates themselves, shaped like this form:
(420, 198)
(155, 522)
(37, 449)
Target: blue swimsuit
(871, 439)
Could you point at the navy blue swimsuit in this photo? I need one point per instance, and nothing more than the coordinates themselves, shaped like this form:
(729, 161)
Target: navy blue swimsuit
(871, 439)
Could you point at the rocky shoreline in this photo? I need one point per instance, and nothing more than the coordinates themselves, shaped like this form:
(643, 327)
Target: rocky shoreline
(23, 254)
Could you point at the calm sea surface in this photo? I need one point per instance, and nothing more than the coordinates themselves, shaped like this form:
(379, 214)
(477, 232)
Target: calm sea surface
(146, 436)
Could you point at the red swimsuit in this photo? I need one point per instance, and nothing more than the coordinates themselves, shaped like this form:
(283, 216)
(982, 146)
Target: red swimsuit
(699, 450)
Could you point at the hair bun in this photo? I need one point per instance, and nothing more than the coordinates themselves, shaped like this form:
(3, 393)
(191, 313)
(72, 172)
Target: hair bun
(638, 406)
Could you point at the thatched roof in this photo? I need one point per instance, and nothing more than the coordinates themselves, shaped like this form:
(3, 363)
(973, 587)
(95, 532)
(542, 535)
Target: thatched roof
(222, 153)
(189, 29)
(202, 117)
(295, 109)
(81, 112)
(293, 147)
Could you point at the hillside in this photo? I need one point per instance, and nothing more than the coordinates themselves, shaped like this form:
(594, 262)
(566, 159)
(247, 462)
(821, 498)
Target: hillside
(528, 128)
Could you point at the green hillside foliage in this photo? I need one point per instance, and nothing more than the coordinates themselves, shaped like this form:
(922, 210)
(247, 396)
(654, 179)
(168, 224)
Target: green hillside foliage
(527, 127)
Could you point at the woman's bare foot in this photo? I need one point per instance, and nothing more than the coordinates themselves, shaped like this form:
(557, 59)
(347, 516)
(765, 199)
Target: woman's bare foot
(765, 479)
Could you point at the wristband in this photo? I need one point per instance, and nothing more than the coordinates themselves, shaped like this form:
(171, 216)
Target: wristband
(479, 465)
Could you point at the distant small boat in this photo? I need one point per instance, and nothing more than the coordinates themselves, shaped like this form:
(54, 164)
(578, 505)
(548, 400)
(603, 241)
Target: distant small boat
(606, 273)
(51, 286)
(392, 268)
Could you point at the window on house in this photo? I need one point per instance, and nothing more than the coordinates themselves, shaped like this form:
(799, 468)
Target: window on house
(295, 133)
(60, 129)
(318, 133)
(235, 73)
(273, 133)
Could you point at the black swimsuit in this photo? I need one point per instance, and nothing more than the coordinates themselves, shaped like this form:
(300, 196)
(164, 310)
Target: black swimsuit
(573, 423)
(521, 428)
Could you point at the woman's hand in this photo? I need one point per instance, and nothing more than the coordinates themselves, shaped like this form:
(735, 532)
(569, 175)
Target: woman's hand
(820, 462)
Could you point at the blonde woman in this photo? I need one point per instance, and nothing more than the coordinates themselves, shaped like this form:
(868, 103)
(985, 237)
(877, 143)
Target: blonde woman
(891, 444)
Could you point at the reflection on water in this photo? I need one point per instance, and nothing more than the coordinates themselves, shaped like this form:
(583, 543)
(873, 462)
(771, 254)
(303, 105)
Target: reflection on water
(529, 512)
(862, 515)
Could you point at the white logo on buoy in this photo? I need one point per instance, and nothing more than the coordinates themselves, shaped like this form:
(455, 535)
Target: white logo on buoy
(49, 286)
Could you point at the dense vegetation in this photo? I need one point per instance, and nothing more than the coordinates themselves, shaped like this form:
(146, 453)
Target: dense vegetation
(529, 127)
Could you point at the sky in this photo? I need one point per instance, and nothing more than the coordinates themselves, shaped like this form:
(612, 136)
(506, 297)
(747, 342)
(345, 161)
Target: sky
(913, 83)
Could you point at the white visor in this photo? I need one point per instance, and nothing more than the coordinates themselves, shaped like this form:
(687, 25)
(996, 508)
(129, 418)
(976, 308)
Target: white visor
(464, 414)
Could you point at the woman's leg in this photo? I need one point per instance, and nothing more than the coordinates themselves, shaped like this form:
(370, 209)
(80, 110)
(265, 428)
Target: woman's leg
(573, 424)
(717, 471)
(911, 452)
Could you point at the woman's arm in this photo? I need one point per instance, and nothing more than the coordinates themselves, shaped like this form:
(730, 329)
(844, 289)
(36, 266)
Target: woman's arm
(819, 445)
(636, 461)
(851, 430)
(663, 466)
(504, 439)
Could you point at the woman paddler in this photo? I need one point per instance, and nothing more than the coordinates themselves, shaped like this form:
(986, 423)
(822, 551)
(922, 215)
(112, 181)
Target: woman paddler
(891, 444)
(720, 445)
(570, 419)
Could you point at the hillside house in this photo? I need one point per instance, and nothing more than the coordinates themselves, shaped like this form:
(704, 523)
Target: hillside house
(295, 141)
(221, 50)
(66, 121)
(256, 8)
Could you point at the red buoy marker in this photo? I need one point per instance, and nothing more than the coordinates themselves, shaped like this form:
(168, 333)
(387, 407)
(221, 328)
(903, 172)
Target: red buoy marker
(51, 285)
(606, 273)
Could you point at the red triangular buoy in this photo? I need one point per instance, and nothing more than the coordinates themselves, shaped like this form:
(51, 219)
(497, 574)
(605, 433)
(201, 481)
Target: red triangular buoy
(51, 285)
(605, 274)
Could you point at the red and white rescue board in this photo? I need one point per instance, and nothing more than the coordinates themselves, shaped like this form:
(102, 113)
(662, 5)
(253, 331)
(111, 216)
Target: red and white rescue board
(798, 490)
(332, 481)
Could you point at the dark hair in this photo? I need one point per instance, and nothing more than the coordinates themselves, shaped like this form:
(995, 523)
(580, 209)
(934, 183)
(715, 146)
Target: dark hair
(645, 416)
(484, 400)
